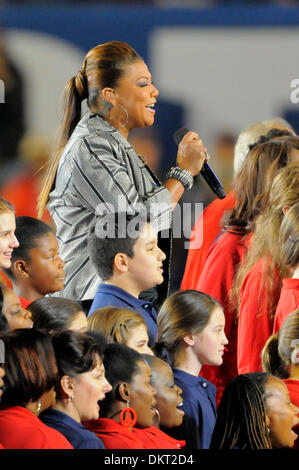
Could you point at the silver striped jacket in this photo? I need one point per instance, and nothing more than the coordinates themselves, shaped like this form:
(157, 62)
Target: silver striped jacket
(99, 167)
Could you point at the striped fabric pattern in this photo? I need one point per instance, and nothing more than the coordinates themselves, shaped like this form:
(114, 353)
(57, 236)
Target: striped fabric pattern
(99, 167)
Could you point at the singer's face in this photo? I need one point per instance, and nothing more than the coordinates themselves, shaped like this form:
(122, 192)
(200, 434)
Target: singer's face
(136, 92)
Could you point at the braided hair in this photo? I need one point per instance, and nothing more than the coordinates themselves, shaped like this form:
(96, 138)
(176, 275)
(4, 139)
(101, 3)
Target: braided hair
(241, 418)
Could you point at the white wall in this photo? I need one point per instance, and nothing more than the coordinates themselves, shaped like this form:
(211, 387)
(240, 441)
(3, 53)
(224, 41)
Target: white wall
(227, 77)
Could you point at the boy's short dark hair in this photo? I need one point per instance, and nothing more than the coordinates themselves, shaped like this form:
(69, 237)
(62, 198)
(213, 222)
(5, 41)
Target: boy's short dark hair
(111, 234)
(28, 231)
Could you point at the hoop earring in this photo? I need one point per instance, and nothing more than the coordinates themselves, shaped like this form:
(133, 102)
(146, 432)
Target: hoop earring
(156, 417)
(128, 417)
(127, 114)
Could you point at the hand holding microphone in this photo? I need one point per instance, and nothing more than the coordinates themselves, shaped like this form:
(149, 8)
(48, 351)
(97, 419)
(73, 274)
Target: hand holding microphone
(191, 153)
(192, 156)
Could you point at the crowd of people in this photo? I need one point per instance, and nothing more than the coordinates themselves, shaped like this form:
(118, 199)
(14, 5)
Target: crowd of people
(98, 353)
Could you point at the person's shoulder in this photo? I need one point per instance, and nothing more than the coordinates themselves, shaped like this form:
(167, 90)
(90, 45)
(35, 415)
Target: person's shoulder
(51, 438)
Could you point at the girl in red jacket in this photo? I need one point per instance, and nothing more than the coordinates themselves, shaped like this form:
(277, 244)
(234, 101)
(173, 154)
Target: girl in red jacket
(258, 281)
(252, 187)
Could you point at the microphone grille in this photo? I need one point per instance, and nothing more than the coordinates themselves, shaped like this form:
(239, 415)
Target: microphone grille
(179, 134)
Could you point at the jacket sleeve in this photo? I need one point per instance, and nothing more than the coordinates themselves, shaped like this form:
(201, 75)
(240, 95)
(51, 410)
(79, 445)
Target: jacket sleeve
(106, 178)
(255, 326)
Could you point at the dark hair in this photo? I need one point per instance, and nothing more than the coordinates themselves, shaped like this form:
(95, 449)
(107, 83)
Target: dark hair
(153, 362)
(241, 416)
(255, 178)
(75, 354)
(30, 366)
(53, 313)
(99, 338)
(103, 67)
(111, 234)
(3, 322)
(28, 231)
(182, 313)
(121, 364)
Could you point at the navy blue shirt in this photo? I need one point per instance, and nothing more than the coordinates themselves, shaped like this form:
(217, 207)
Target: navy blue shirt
(199, 396)
(74, 432)
(108, 295)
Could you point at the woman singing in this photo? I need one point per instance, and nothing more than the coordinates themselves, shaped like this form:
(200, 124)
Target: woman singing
(95, 167)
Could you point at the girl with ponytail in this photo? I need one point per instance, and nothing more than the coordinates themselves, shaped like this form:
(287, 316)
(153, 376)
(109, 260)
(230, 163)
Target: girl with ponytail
(191, 333)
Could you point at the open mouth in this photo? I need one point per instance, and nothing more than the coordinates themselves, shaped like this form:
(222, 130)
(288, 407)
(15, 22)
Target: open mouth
(150, 107)
(178, 408)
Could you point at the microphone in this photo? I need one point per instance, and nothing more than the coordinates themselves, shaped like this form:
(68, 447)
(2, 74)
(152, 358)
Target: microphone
(206, 171)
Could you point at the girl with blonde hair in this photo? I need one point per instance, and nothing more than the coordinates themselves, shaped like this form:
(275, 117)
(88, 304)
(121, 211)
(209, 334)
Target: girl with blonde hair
(121, 325)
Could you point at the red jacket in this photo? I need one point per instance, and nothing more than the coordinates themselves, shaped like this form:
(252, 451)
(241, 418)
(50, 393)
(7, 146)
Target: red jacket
(22, 191)
(210, 221)
(216, 280)
(21, 429)
(293, 387)
(114, 435)
(288, 302)
(255, 324)
(154, 438)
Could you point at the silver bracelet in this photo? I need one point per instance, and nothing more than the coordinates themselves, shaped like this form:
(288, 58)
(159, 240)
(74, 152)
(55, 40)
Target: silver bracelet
(184, 176)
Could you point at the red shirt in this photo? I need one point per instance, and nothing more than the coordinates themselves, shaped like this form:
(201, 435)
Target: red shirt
(210, 224)
(24, 302)
(255, 324)
(216, 280)
(22, 191)
(114, 435)
(288, 302)
(21, 429)
(154, 438)
(293, 387)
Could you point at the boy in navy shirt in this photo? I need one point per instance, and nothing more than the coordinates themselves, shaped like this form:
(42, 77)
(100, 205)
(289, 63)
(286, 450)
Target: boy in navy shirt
(125, 252)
